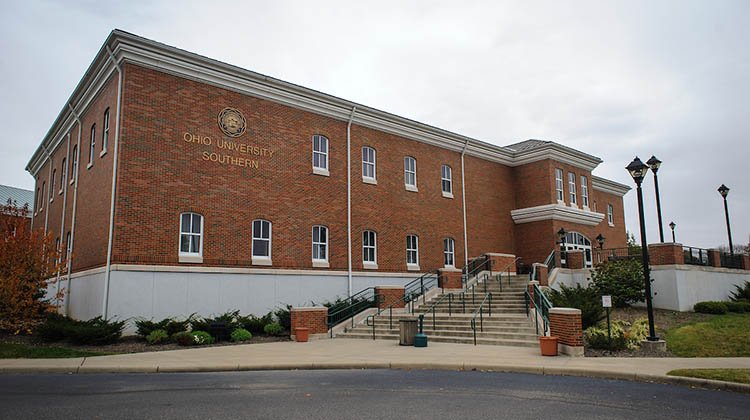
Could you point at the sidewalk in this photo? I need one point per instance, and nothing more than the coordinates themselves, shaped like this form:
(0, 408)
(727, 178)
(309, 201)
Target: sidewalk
(380, 354)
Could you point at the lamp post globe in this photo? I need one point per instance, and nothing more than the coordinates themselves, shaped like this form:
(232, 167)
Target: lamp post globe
(638, 170)
(655, 164)
(724, 191)
(672, 225)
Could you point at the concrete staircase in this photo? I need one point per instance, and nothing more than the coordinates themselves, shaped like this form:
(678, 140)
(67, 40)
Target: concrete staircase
(507, 326)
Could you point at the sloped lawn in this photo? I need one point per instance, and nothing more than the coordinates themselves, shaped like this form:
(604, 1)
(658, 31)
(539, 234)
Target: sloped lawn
(22, 351)
(721, 336)
(730, 375)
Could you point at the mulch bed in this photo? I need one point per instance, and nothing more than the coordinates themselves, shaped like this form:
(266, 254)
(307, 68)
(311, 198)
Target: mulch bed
(130, 344)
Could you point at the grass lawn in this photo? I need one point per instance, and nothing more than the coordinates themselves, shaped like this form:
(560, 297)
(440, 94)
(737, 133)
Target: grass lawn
(23, 351)
(721, 336)
(729, 375)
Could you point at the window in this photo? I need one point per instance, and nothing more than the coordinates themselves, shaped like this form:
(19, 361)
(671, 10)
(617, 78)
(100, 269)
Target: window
(572, 187)
(320, 155)
(191, 237)
(93, 146)
(36, 210)
(41, 196)
(59, 251)
(410, 173)
(412, 252)
(585, 191)
(63, 173)
(610, 215)
(68, 246)
(368, 165)
(448, 252)
(52, 185)
(261, 242)
(559, 183)
(446, 180)
(320, 246)
(105, 132)
(369, 249)
(74, 166)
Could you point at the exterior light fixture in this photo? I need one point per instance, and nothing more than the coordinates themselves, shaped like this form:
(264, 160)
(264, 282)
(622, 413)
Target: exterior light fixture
(654, 164)
(724, 191)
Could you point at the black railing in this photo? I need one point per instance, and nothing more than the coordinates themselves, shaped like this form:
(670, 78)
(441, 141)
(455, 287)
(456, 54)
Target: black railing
(542, 306)
(476, 266)
(695, 256)
(479, 312)
(351, 306)
(731, 260)
(412, 292)
(616, 254)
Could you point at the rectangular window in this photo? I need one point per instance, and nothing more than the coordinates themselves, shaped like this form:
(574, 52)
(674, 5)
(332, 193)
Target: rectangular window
(320, 155)
(74, 166)
(412, 251)
(319, 244)
(610, 215)
(93, 146)
(559, 184)
(585, 191)
(448, 252)
(59, 251)
(446, 181)
(68, 246)
(105, 133)
(368, 164)
(191, 237)
(369, 249)
(63, 174)
(572, 187)
(52, 186)
(410, 173)
(261, 241)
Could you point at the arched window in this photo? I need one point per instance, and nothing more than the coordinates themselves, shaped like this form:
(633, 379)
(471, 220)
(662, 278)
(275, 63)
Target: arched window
(320, 155)
(52, 186)
(191, 237)
(93, 145)
(74, 166)
(63, 174)
(105, 131)
(368, 164)
(449, 247)
(261, 251)
(369, 249)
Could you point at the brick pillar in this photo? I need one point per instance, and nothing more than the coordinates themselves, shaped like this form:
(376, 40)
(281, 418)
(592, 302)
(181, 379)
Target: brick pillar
(501, 262)
(566, 325)
(575, 259)
(530, 288)
(449, 278)
(714, 258)
(314, 318)
(665, 254)
(541, 273)
(746, 262)
(390, 295)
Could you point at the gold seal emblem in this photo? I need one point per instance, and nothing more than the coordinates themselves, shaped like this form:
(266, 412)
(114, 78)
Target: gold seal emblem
(232, 122)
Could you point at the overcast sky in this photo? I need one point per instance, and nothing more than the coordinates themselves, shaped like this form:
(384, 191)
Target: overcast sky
(613, 79)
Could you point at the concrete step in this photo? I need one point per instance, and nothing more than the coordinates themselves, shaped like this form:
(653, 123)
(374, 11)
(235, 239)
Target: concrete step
(459, 317)
(523, 335)
(442, 339)
(488, 326)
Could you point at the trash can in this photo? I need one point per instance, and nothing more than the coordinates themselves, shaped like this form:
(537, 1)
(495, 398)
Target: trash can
(407, 331)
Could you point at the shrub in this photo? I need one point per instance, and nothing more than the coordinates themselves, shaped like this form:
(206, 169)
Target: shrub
(711, 307)
(228, 322)
(54, 328)
(284, 317)
(742, 293)
(255, 324)
(95, 331)
(202, 337)
(157, 337)
(241, 334)
(622, 337)
(587, 299)
(172, 326)
(621, 279)
(273, 328)
(183, 338)
(739, 306)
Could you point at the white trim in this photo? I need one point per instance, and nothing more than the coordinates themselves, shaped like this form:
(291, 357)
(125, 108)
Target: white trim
(90, 165)
(609, 187)
(320, 171)
(102, 153)
(320, 264)
(412, 267)
(261, 260)
(242, 270)
(411, 188)
(447, 194)
(369, 180)
(189, 258)
(556, 212)
(369, 265)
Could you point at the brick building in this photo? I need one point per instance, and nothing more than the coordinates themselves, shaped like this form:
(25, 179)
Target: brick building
(180, 184)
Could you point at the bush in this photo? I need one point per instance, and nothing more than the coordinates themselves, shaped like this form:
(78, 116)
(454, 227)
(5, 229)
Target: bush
(183, 338)
(711, 307)
(227, 321)
(587, 299)
(202, 337)
(621, 279)
(255, 324)
(623, 338)
(95, 332)
(241, 334)
(54, 328)
(171, 326)
(157, 337)
(739, 306)
(742, 293)
(273, 328)
(284, 317)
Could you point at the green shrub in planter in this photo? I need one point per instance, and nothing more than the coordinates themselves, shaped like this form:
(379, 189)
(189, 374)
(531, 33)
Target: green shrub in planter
(183, 338)
(273, 328)
(144, 327)
(284, 317)
(739, 306)
(240, 334)
(255, 324)
(711, 307)
(157, 337)
(95, 331)
(587, 299)
(202, 337)
(597, 337)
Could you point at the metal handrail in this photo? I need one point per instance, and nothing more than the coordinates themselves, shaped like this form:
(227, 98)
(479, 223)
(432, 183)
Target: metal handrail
(484, 265)
(507, 267)
(421, 284)
(689, 254)
(479, 311)
(426, 282)
(358, 302)
(542, 305)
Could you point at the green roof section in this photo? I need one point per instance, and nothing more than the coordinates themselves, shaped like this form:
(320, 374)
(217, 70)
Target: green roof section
(17, 195)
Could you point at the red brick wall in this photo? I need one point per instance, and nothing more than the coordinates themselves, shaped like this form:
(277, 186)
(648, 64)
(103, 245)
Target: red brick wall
(665, 254)
(449, 279)
(566, 326)
(313, 318)
(390, 295)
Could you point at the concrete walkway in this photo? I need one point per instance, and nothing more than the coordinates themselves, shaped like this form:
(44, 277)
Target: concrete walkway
(381, 354)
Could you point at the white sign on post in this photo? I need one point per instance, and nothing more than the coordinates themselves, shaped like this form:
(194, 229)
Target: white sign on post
(607, 301)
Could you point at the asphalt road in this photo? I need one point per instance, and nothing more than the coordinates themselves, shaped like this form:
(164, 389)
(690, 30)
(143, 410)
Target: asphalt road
(356, 394)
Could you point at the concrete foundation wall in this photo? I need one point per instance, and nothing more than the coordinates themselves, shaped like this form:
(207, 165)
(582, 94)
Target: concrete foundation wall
(569, 277)
(680, 287)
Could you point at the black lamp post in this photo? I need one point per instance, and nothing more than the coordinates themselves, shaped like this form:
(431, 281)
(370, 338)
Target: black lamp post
(672, 226)
(638, 171)
(724, 191)
(561, 233)
(600, 239)
(654, 164)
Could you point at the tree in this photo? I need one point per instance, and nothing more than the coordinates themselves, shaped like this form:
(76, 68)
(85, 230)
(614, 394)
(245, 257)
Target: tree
(29, 262)
(622, 279)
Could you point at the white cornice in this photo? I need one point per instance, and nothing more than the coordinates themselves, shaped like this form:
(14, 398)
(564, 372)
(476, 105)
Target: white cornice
(556, 212)
(609, 187)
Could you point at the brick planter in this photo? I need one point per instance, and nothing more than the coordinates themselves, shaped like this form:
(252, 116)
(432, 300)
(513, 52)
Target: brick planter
(565, 324)
(315, 319)
(665, 254)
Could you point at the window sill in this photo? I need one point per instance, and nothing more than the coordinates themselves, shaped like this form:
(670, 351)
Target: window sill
(368, 180)
(370, 265)
(447, 194)
(90, 165)
(561, 202)
(586, 208)
(611, 224)
(193, 259)
(103, 152)
(72, 181)
(412, 267)
(451, 267)
(411, 188)
(61, 190)
(262, 261)
(321, 172)
(320, 264)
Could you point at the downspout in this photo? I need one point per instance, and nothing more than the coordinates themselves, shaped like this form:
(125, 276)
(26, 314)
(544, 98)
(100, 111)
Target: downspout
(64, 179)
(76, 160)
(114, 185)
(463, 204)
(349, 198)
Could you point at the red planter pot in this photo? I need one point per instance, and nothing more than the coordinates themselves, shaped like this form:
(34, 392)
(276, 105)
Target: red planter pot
(548, 346)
